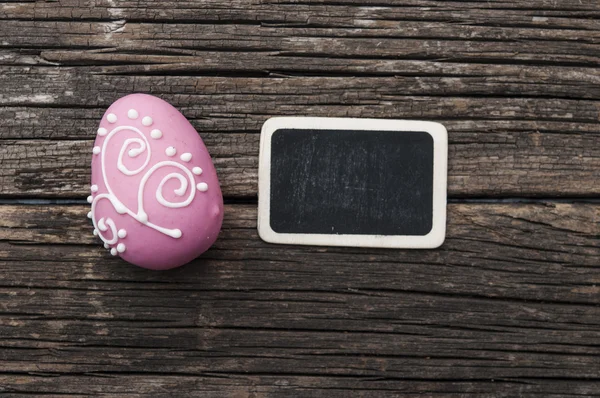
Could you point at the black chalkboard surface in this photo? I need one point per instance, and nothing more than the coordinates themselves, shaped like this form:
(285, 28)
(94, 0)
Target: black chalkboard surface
(352, 182)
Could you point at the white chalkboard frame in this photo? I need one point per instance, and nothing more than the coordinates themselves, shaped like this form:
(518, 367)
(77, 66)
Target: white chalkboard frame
(433, 239)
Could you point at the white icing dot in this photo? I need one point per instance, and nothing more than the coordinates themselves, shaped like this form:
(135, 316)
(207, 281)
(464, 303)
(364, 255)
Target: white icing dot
(94, 188)
(90, 199)
(197, 171)
(122, 233)
(132, 114)
(156, 134)
(111, 117)
(113, 251)
(171, 151)
(147, 121)
(106, 245)
(95, 232)
(143, 218)
(202, 187)
(186, 157)
(96, 150)
(89, 215)
(176, 233)
(120, 247)
(102, 131)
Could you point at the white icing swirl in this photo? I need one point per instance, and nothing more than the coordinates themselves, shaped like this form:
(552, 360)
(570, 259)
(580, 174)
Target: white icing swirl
(104, 224)
(132, 153)
(183, 185)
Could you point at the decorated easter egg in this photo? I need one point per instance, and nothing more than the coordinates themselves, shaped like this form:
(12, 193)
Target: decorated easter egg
(155, 196)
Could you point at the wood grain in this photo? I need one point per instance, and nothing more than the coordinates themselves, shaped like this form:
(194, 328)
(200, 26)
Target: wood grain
(513, 288)
(282, 385)
(552, 242)
(499, 13)
(339, 42)
(507, 307)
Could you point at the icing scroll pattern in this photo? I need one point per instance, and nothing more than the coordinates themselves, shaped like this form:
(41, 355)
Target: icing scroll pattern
(133, 148)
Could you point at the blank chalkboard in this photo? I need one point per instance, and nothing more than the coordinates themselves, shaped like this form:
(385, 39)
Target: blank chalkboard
(351, 182)
(354, 182)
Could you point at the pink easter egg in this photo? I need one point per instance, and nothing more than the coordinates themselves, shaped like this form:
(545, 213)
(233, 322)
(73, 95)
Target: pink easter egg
(155, 195)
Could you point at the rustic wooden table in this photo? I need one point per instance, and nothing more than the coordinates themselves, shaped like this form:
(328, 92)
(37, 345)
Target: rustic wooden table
(509, 306)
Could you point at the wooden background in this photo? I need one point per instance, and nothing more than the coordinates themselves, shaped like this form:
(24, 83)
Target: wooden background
(509, 306)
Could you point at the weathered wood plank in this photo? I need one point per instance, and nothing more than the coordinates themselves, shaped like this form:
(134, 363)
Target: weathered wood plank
(491, 164)
(537, 13)
(406, 40)
(69, 86)
(526, 93)
(261, 36)
(521, 251)
(412, 77)
(241, 385)
(511, 296)
(64, 123)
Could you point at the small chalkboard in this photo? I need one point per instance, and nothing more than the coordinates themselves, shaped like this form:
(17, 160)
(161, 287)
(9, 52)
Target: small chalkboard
(353, 182)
